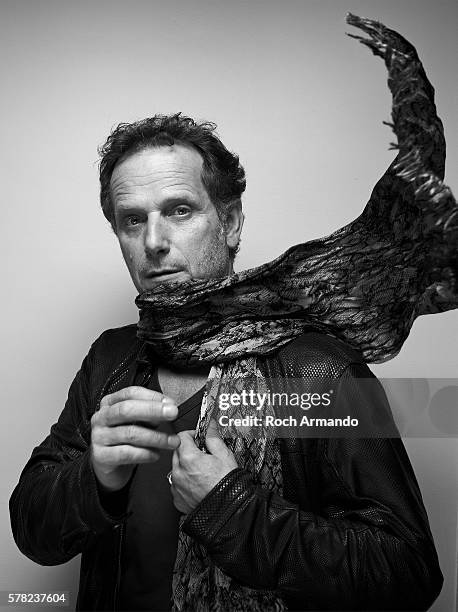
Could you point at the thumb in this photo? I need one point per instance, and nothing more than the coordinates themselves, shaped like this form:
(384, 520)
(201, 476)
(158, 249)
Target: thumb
(213, 440)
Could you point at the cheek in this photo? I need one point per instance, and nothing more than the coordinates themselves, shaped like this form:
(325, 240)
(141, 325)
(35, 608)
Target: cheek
(213, 254)
(128, 253)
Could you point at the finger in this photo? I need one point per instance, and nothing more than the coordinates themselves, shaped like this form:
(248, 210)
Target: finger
(212, 429)
(175, 462)
(125, 455)
(188, 445)
(187, 436)
(187, 433)
(174, 472)
(133, 392)
(135, 435)
(151, 412)
(177, 501)
(213, 440)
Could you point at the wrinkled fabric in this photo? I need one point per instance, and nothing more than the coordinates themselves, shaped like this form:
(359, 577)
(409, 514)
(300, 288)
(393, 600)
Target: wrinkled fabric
(365, 283)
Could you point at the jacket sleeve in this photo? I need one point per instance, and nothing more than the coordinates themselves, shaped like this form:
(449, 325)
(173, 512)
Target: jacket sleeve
(56, 505)
(365, 545)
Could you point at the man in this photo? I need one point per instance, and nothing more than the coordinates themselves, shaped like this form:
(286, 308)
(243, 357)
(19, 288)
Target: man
(353, 536)
(250, 524)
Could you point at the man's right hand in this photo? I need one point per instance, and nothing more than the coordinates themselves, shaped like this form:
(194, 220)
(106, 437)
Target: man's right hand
(122, 434)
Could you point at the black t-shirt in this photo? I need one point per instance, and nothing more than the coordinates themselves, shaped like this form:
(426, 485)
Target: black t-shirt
(151, 531)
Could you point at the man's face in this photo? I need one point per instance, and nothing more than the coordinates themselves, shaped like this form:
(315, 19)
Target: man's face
(167, 227)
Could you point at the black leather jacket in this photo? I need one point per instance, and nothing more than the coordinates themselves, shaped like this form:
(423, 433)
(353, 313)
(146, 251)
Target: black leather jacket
(349, 533)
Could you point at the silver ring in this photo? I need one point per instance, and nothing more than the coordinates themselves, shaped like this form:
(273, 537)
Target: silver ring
(169, 477)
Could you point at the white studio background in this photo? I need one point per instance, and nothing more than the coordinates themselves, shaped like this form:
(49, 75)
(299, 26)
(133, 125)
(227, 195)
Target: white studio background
(301, 103)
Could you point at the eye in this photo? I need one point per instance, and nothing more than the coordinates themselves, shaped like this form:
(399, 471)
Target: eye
(131, 220)
(180, 211)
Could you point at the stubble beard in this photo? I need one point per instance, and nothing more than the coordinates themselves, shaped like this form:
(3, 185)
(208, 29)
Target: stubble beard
(216, 253)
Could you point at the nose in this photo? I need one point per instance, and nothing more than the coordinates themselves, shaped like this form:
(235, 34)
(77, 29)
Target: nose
(156, 237)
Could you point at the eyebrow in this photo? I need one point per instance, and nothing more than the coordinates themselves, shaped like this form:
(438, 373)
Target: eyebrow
(123, 206)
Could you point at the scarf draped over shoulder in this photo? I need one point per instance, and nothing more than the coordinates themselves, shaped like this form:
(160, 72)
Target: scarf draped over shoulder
(365, 283)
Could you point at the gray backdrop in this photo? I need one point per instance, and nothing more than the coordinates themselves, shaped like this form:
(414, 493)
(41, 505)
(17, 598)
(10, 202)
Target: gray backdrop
(299, 101)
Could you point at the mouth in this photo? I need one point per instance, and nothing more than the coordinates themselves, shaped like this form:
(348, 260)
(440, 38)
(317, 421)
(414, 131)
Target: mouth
(163, 276)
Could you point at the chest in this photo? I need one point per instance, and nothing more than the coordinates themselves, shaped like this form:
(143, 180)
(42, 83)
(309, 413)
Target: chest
(180, 386)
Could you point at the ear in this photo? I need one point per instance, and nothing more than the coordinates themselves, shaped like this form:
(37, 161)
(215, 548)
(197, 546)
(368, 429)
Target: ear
(233, 223)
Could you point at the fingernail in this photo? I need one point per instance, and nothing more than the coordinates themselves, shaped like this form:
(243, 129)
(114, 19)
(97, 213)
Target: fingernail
(169, 409)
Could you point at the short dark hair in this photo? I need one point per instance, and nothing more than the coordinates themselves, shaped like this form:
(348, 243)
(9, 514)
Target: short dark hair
(222, 174)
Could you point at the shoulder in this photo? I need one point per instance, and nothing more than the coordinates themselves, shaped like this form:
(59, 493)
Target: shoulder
(115, 344)
(117, 336)
(112, 354)
(313, 354)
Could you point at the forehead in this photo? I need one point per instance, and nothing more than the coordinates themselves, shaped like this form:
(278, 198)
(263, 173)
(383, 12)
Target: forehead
(172, 165)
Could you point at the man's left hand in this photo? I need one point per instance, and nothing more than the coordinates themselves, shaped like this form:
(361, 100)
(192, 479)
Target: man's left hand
(194, 473)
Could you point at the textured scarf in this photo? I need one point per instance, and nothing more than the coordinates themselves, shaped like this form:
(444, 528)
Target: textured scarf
(364, 284)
